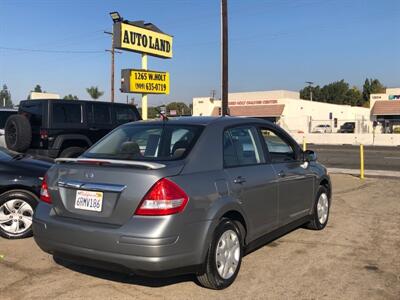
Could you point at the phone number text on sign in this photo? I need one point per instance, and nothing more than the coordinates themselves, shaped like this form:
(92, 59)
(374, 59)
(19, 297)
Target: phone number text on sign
(149, 82)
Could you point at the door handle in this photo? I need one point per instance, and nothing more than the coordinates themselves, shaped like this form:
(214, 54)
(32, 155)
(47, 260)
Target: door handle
(239, 180)
(282, 174)
(94, 128)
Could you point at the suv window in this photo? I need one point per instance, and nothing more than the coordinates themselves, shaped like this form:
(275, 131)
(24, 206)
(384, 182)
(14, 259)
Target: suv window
(65, 113)
(240, 147)
(124, 114)
(279, 150)
(147, 142)
(33, 111)
(4, 116)
(100, 113)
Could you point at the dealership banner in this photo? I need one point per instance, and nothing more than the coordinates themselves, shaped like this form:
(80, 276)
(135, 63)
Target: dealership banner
(138, 39)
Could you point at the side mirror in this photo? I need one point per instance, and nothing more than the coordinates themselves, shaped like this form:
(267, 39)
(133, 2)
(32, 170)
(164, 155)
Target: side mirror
(309, 155)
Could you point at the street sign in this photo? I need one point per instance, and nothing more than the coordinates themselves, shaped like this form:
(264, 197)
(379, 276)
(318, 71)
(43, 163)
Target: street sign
(144, 82)
(139, 39)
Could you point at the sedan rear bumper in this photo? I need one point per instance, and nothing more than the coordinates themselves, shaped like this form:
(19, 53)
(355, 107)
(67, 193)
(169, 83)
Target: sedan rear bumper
(121, 246)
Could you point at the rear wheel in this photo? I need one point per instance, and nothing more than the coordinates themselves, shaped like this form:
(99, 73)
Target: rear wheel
(321, 210)
(18, 133)
(224, 257)
(16, 212)
(72, 152)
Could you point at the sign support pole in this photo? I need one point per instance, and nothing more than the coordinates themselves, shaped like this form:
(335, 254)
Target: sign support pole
(144, 96)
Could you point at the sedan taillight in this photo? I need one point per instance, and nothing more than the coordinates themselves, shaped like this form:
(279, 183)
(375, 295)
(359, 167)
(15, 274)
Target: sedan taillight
(164, 198)
(44, 192)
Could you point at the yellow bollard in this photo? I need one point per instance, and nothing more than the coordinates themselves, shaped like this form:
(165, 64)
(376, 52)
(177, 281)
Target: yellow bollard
(304, 144)
(361, 161)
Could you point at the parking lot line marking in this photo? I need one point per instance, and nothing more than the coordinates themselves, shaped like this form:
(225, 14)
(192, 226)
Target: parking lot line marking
(391, 157)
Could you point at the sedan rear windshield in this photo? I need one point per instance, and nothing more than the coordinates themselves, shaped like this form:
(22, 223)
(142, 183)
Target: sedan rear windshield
(147, 142)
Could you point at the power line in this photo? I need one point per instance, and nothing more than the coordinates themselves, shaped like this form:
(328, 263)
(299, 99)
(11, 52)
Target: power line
(51, 51)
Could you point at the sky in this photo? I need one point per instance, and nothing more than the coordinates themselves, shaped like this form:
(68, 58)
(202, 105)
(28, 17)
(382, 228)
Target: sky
(273, 44)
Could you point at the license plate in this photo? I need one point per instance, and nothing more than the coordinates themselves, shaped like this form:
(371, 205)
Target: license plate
(88, 200)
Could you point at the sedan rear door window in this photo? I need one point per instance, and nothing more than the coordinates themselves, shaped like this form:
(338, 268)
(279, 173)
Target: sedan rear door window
(240, 147)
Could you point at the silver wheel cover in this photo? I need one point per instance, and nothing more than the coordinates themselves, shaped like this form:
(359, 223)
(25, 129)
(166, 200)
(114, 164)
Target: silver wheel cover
(227, 254)
(16, 216)
(323, 208)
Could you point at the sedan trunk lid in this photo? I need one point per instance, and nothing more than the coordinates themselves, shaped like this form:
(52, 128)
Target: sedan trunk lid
(104, 191)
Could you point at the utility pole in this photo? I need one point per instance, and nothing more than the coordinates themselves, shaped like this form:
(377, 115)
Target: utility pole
(213, 94)
(112, 51)
(224, 56)
(310, 83)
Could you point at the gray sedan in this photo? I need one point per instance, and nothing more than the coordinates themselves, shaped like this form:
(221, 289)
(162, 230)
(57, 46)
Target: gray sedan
(188, 195)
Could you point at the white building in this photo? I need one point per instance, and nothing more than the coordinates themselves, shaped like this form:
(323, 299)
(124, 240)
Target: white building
(39, 96)
(287, 109)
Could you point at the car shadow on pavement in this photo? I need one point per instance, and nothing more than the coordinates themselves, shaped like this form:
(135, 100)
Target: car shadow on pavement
(123, 277)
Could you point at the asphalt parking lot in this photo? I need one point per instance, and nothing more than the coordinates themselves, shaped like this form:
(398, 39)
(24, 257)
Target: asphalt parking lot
(356, 257)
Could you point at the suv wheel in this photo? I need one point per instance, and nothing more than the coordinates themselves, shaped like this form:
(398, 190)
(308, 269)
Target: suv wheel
(321, 210)
(224, 257)
(72, 152)
(18, 133)
(16, 211)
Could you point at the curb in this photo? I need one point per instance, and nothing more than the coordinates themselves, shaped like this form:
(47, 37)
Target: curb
(369, 173)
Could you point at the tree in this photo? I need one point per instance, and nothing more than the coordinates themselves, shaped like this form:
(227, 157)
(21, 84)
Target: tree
(372, 86)
(180, 107)
(70, 97)
(152, 111)
(37, 89)
(94, 92)
(338, 92)
(354, 97)
(5, 97)
(316, 92)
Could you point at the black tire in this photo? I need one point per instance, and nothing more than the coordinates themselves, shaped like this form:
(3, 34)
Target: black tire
(72, 152)
(18, 133)
(211, 278)
(20, 196)
(315, 223)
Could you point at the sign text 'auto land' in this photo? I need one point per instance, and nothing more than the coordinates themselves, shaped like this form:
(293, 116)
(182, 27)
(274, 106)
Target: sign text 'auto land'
(138, 39)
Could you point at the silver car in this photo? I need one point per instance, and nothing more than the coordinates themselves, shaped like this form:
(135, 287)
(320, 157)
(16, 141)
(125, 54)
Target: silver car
(188, 195)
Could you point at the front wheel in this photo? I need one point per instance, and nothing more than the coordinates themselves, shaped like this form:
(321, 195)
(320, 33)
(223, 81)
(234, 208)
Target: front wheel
(321, 210)
(224, 257)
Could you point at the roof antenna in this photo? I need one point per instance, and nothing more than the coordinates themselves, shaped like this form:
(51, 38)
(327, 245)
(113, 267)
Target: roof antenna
(163, 116)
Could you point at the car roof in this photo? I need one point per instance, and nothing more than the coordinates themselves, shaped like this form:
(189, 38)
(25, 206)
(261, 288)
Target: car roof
(204, 121)
(8, 109)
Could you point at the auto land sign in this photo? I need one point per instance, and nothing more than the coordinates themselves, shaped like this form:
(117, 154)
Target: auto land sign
(138, 39)
(144, 82)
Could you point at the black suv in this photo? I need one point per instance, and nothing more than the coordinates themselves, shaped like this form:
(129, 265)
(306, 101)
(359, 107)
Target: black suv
(347, 127)
(63, 128)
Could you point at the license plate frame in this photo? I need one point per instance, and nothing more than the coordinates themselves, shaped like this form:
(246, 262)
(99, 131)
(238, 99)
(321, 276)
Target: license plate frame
(89, 200)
